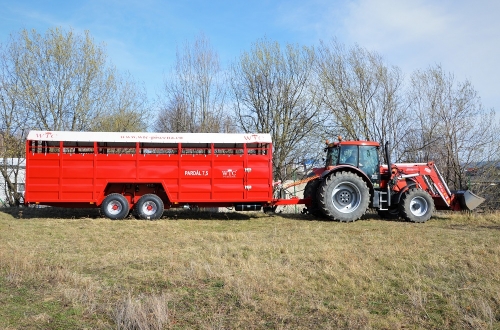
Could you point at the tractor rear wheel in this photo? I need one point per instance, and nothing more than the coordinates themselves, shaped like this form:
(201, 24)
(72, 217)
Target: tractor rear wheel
(417, 205)
(344, 196)
(311, 191)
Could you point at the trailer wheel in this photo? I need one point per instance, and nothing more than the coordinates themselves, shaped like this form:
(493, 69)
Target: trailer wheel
(311, 191)
(115, 206)
(417, 205)
(149, 207)
(344, 196)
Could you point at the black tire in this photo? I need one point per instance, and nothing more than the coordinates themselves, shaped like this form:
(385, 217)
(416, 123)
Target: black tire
(115, 206)
(417, 205)
(389, 214)
(311, 191)
(149, 207)
(344, 196)
(269, 209)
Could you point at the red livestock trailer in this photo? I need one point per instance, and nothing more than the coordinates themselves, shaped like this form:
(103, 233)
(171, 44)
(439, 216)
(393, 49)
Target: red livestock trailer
(147, 172)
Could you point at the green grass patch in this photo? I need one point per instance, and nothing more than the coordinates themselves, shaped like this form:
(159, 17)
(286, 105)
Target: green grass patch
(28, 307)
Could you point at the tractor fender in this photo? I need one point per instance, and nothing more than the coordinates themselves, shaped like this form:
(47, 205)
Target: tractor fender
(348, 168)
(396, 198)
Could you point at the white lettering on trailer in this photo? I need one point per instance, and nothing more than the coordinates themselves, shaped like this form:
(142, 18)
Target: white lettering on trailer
(196, 173)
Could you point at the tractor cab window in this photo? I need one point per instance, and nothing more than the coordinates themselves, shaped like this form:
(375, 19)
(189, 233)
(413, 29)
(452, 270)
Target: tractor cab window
(366, 158)
(332, 156)
(349, 155)
(369, 161)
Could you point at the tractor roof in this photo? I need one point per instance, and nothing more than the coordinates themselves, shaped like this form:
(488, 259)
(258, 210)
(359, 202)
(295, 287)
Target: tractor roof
(355, 143)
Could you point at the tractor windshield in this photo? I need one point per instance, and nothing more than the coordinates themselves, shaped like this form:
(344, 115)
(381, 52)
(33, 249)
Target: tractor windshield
(364, 157)
(349, 155)
(343, 154)
(332, 156)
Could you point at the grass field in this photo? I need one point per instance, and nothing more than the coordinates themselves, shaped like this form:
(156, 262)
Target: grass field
(71, 269)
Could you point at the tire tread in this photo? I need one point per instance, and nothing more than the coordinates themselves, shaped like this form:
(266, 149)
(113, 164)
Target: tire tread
(405, 211)
(324, 199)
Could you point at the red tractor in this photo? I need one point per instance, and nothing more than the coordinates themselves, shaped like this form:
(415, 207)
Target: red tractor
(353, 180)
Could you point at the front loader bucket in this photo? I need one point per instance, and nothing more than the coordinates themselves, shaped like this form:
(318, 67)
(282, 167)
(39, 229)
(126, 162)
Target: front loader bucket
(469, 200)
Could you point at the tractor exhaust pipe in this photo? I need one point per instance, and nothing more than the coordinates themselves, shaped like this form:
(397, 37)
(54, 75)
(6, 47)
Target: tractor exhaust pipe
(389, 167)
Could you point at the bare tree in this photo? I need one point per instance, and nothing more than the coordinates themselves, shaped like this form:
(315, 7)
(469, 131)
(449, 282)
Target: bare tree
(128, 108)
(174, 117)
(451, 126)
(13, 130)
(59, 81)
(62, 78)
(195, 92)
(274, 93)
(363, 95)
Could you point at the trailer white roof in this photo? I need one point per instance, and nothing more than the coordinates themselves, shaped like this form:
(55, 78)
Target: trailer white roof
(148, 137)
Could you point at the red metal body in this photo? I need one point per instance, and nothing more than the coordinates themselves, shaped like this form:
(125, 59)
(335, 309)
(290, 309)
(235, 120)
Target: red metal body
(78, 169)
(424, 176)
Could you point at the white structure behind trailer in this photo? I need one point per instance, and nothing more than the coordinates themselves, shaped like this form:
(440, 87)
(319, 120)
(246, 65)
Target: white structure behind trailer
(12, 166)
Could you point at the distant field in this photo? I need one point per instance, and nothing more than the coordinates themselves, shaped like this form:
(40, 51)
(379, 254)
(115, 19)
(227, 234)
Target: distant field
(71, 269)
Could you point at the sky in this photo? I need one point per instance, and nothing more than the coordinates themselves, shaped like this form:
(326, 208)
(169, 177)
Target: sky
(142, 37)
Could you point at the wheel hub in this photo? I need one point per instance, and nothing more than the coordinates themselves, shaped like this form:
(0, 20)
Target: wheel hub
(114, 207)
(418, 206)
(344, 197)
(149, 208)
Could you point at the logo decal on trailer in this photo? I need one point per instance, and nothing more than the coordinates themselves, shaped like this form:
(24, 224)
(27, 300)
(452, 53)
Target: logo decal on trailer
(229, 173)
(253, 137)
(46, 135)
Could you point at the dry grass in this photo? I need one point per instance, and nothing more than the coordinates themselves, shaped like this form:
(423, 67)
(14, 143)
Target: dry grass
(63, 269)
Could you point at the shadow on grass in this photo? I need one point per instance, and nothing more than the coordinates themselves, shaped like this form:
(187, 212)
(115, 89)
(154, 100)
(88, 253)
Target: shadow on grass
(472, 228)
(51, 213)
(174, 214)
(177, 214)
(94, 213)
(308, 217)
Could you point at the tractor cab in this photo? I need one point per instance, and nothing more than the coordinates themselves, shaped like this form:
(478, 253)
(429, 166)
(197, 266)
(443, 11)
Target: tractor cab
(361, 154)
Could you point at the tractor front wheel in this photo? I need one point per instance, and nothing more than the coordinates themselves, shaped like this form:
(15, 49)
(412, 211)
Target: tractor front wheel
(417, 205)
(344, 196)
